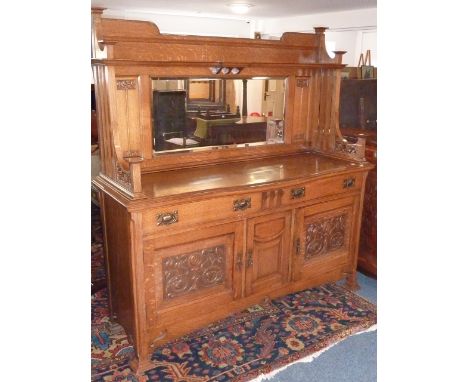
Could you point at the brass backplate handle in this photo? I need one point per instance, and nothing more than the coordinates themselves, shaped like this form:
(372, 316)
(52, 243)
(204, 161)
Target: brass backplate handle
(249, 259)
(297, 193)
(298, 246)
(167, 218)
(349, 182)
(239, 262)
(242, 204)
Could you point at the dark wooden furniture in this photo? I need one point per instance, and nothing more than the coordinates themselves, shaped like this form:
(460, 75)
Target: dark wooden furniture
(358, 104)
(193, 236)
(226, 131)
(358, 118)
(169, 115)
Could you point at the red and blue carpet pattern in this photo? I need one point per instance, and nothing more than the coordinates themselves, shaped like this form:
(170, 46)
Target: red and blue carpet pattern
(239, 348)
(98, 269)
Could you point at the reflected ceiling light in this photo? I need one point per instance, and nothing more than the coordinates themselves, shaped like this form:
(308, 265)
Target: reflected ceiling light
(240, 8)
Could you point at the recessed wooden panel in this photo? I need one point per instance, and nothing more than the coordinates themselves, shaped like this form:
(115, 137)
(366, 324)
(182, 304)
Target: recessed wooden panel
(128, 114)
(268, 242)
(268, 258)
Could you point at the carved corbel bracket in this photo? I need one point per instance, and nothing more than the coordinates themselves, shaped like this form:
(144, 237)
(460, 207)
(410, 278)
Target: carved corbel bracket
(130, 179)
(134, 160)
(354, 150)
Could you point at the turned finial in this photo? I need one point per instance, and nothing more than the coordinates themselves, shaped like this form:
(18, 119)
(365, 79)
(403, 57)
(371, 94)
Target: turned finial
(339, 55)
(320, 30)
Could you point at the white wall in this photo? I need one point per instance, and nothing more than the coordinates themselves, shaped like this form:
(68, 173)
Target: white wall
(354, 31)
(188, 25)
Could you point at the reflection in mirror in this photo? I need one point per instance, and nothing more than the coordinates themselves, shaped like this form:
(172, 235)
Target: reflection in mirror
(206, 113)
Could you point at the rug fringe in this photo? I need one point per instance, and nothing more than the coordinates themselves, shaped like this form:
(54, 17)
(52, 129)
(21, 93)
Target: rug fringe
(309, 358)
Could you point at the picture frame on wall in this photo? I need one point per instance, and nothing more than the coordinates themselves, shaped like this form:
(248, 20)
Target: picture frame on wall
(367, 72)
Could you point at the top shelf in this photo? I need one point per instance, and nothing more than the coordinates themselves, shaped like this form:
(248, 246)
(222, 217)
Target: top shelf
(230, 176)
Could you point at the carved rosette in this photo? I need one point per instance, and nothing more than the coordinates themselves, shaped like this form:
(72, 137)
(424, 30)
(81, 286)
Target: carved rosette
(302, 82)
(194, 271)
(352, 150)
(126, 84)
(325, 235)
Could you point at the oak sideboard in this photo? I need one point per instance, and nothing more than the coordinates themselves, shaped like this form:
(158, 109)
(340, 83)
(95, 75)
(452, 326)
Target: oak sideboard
(195, 230)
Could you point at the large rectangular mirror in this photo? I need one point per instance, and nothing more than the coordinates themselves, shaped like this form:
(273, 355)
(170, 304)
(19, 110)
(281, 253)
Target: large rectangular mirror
(208, 113)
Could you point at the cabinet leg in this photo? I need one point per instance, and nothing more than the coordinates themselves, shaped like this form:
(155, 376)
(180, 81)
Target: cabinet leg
(140, 365)
(351, 281)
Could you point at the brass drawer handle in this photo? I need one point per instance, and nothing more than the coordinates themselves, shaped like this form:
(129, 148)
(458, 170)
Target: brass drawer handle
(298, 247)
(349, 182)
(167, 218)
(297, 193)
(242, 204)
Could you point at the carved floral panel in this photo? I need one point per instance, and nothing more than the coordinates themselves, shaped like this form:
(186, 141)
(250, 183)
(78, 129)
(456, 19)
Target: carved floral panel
(193, 271)
(325, 235)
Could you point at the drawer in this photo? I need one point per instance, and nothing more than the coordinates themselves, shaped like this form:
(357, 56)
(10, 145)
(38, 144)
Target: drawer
(314, 189)
(175, 216)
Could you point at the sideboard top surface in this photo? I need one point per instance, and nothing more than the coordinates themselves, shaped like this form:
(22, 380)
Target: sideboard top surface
(241, 174)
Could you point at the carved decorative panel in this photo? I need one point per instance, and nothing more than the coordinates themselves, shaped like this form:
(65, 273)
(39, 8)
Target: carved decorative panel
(122, 176)
(325, 235)
(302, 82)
(126, 84)
(193, 271)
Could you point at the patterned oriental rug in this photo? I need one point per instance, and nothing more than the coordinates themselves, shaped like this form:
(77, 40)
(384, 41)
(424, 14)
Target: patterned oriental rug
(98, 269)
(252, 344)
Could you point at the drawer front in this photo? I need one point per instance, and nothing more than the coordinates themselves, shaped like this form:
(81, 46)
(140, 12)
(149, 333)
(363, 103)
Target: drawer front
(342, 184)
(181, 215)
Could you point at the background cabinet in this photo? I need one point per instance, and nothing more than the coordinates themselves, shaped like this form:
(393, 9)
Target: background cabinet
(169, 115)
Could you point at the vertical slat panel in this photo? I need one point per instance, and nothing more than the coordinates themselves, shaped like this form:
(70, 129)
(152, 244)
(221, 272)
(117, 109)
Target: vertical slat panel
(301, 110)
(330, 140)
(104, 119)
(323, 109)
(144, 89)
(315, 107)
(128, 114)
(290, 90)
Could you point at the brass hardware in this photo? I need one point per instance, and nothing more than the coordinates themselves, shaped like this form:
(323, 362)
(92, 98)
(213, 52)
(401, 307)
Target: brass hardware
(242, 204)
(297, 193)
(249, 259)
(167, 218)
(349, 182)
(239, 262)
(298, 246)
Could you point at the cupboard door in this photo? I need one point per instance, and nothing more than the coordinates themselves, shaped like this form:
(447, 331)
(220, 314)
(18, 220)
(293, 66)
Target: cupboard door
(323, 237)
(191, 273)
(268, 247)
